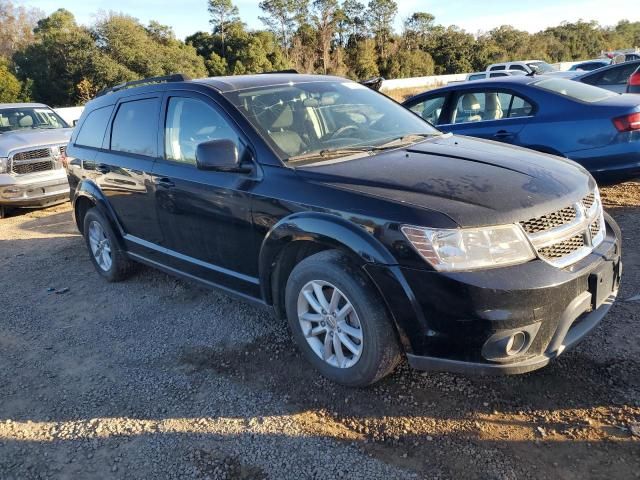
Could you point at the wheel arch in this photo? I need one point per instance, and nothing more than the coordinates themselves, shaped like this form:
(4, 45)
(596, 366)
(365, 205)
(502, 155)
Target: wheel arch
(88, 195)
(300, 235)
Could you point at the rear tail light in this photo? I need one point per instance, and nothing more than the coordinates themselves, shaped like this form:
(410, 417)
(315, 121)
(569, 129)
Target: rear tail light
(628, 123)
(634, 80)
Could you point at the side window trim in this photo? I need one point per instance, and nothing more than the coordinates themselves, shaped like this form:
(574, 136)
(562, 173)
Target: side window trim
(108, 137)
(211, 102)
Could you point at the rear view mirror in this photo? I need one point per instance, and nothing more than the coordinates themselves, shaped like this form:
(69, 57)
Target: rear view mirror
(220, 155)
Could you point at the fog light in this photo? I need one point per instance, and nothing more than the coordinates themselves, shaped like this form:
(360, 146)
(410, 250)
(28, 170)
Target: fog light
(505, 344)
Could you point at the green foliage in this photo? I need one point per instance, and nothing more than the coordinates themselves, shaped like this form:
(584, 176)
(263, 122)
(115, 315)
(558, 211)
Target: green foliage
(57, 61)
(10, 86)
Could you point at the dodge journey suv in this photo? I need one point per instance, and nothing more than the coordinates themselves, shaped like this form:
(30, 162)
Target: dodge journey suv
(371, 232)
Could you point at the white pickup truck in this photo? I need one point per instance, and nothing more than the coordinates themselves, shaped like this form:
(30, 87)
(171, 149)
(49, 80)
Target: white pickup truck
(33, 141)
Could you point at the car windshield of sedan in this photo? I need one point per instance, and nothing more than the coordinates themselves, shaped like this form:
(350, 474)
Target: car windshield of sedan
(574, 90)
(27, 118)
(312, 121)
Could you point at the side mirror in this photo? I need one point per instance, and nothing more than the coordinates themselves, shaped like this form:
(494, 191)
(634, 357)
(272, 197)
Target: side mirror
(75, 122)
(219, 155)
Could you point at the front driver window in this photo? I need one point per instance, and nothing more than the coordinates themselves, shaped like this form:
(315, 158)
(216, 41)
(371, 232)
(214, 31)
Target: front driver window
(189, 123)
(430, 109)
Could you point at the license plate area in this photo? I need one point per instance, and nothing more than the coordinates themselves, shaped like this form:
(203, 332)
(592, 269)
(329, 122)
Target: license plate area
(601, 284)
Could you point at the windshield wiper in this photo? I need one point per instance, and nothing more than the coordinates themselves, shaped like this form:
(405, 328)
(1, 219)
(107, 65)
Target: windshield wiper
(405, 139)
(328, 153)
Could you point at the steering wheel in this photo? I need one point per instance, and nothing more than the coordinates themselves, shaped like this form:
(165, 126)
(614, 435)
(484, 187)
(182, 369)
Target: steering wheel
(342, 130)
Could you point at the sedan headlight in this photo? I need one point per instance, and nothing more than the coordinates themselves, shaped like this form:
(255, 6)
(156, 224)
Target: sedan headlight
(451, 250)
(4, 165)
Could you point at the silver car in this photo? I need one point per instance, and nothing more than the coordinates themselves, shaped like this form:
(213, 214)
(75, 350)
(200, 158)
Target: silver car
(33, 141)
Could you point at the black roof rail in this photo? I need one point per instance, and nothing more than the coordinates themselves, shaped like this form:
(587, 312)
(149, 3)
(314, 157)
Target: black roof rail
(288, 70)
(174, 77)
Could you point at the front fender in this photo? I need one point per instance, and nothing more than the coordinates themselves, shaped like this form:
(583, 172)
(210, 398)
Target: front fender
(325, 229)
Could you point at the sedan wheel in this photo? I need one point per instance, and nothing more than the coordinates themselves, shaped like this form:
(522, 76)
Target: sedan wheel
(330, 324)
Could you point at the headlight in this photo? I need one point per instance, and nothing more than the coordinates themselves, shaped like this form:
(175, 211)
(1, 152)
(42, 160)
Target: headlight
(4, 165)
(450, 250)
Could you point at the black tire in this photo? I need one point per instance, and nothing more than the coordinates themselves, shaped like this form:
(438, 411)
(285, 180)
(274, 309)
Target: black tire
(121, 266)
(380, 348)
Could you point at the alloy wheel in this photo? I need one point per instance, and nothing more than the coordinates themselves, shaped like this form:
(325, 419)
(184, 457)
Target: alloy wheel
(330, 324)
(100, 246)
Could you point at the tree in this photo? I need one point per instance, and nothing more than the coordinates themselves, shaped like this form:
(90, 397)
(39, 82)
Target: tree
(380, 16)
(325, 20)
(223, 12)
(363, 60)
(417, 29)
(10, 86)
(16, 27)
(280, 18)
(355, 13)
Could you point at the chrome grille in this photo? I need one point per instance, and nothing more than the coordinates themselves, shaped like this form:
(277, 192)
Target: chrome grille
(562, 249)
(35, 160)
(63, 150)
(33, 167)
(32, 154)
(567, 235)
(549, 221)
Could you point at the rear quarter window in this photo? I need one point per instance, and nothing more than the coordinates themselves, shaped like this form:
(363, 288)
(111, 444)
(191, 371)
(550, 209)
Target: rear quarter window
(573, 90)
(135, 127)
(92, 130)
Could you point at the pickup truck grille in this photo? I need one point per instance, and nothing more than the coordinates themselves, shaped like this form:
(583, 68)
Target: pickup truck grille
(565, 236)
(36, 160)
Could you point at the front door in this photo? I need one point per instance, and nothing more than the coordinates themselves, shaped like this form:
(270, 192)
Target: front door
(205, 216)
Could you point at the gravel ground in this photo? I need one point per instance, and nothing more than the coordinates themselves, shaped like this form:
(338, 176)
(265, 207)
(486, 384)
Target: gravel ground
(157, 378)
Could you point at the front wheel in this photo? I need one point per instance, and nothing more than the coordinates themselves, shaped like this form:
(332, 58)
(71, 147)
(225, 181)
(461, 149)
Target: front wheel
(339, 321)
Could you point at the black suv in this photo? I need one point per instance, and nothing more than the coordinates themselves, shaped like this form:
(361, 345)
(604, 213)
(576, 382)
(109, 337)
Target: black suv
(372, 232)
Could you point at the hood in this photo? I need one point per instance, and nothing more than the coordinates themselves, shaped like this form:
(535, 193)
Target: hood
(474, 182)
(20, 139)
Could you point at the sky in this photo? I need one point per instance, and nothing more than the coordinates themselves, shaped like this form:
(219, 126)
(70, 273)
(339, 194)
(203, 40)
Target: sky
(189, 16)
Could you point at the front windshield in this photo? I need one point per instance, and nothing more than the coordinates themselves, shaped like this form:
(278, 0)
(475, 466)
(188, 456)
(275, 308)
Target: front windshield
(542, 67)
(27, 118)
(327, 119)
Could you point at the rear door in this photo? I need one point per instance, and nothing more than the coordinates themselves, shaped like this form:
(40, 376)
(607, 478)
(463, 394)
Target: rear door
(205, 216)
(494, 114)
(123, 169)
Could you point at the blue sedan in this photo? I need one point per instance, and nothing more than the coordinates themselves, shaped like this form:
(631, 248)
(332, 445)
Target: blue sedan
(592, 126)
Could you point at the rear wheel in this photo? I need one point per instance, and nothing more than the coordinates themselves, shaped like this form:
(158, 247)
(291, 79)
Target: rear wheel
(339, 321)
(107, 258)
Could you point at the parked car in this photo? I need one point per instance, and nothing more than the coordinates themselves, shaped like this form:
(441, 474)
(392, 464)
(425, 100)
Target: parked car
(589, 125)
(613, 78)
(368, 229)
(589, 65)
(633, 84)
(526, 66)
(485, 75)
(33, 141)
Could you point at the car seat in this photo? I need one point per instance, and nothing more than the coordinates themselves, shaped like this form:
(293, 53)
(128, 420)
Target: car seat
(492, 107)
(470, 110)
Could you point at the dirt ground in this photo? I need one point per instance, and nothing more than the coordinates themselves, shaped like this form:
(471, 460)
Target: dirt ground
(157, 378)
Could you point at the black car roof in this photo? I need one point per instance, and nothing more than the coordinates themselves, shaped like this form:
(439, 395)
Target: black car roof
(241, 82)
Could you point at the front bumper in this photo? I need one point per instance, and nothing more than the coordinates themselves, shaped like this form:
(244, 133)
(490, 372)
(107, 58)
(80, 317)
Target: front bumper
(34, 190)
(448, 321)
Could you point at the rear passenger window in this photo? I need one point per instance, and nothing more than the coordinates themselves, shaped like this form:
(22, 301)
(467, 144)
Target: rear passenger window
(92, 131)
(191, 122)
(489, 106)
(135, 127)
(518, 67)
